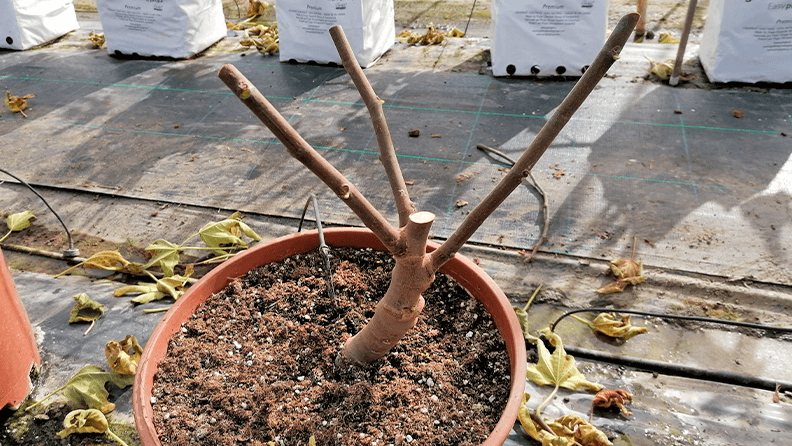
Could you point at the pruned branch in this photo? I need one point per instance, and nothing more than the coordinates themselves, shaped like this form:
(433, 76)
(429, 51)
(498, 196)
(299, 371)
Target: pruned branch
(374, 104)
(606, 57)
(308, 156)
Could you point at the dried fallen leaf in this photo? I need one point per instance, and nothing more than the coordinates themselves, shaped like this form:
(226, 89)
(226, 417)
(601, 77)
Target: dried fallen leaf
(437, 135)
(559, 368)
(256, 7)
(606, 398)
(87, 388)
(98, 39)
(580, 431)
(431, 37)
(569, 430)
(455, 33)
(667, 38)
(607, 324)
(414, 133)
(85, 422)
(678, 112)
(17, 222)
(220, 235)
(627, 271)
(123, 357)
(738, 113)
(148, 292)
(85, 310)
(17, 104)
(461, 203)
(662, 70)
(163, 254)
(558, 174)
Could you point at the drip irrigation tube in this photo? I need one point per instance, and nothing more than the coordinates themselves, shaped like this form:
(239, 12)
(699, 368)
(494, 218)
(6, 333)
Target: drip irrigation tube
(680, 370)
(71, 251)
(673, 316)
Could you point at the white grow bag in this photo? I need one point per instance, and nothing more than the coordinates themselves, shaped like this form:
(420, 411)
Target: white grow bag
(303, 29)
(27, 23)
(168, 28)
(748, 41)
(546, 37)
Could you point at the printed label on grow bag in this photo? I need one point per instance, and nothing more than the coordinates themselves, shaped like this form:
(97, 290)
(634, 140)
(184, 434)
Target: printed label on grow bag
(303, 29)
(546, 38)
(161, 27)
(748, 41)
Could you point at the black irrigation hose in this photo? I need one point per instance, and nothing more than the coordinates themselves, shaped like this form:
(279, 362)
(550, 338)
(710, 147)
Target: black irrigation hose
(678, 369)
(69, 253)
(673, 316)
(323, 248)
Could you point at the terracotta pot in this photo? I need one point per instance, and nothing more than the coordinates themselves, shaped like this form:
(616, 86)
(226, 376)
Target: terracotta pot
(465, 272)
(17, 344)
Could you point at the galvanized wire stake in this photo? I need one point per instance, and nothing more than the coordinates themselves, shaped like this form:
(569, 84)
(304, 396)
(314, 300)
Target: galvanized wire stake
(323, 248)
(464, 33)
(69, 253)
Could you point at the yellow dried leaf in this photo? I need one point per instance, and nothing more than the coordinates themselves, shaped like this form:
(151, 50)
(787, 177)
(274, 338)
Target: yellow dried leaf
(227, 233)
(609, 325)
(85, 309)
(667, 38)
(148, 292)
(662, 70)
(580, 431)
(19, 221)
(98, 39)
(16, 104)
(456, 33)
(123, 357)
(164, 254)
(559, 368)
(84, 422)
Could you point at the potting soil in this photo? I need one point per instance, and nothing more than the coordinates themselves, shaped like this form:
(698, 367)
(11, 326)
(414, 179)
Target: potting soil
(256, 363)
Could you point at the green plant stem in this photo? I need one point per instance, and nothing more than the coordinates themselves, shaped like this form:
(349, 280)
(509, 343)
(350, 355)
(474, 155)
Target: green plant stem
(581, 320)
(546, 401)
(5, 236)
(533, 296)
(45, 398)
(68, 270)
(156, 310)
(115, 437)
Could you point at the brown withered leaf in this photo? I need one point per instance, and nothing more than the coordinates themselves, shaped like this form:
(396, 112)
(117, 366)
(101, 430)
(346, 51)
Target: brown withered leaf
(414, 133)
(123, 357)
(558, 174)
(627, 271)
(738, 113)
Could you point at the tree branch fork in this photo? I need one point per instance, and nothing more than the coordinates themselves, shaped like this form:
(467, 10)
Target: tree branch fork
(398, 310)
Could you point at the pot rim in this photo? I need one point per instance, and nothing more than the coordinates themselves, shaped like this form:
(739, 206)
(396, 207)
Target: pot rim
(461, 269)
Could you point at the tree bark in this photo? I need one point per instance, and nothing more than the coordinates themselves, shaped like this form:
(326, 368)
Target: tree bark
(398, 311)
